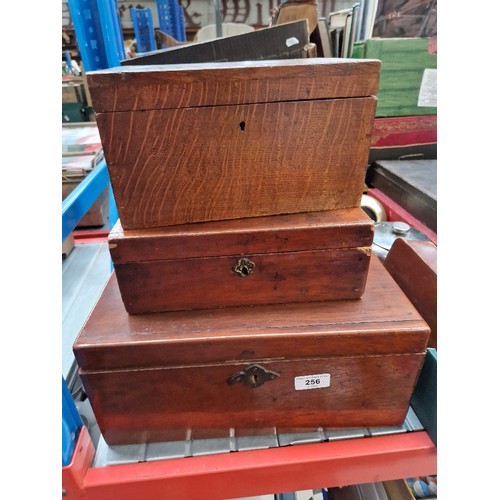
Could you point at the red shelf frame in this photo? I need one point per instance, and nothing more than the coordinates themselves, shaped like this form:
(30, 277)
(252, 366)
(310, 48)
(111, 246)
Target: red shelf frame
(255, 472)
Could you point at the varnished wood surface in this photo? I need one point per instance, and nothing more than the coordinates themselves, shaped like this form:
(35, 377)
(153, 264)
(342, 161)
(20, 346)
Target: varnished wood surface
(297, 258)
(184, 284)
(383, 321)
(177, 166)
(134, 88)
(413, 265)
(334, 229)
(148, 405)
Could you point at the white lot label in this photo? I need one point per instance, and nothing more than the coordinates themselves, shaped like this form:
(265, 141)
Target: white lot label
(428, 89)
(312, 381)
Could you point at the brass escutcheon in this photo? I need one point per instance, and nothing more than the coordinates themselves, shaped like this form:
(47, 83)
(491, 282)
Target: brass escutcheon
(243, 267)
(252, 376)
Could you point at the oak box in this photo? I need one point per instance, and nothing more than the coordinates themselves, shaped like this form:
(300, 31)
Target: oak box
(215, 141)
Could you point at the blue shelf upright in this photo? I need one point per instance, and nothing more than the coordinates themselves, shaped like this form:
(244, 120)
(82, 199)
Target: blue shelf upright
(182, 23)
(71, 425)
(171, 19)
(142, 20)
(165, 17)
(98, 33)
(100, 43)
(79, 201)
(112, 31)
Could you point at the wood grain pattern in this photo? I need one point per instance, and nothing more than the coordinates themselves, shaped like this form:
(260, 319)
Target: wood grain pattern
(383, 321)
(331, 229)
(144, 406)
(189, 165)
(139, 88)
(413, 265)
(184, 284)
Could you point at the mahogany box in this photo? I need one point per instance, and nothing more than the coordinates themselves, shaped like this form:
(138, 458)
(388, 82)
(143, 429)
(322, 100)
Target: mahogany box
(261, 260)
(413, 265)
(215, 141)
(330, 364)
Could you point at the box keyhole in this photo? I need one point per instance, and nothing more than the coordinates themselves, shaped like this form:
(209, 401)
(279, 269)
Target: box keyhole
(244, 267)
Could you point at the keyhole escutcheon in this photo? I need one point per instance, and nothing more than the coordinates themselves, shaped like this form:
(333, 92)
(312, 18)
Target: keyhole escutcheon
(244, 267)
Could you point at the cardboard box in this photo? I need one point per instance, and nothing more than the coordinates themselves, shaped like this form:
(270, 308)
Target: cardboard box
(67, 246)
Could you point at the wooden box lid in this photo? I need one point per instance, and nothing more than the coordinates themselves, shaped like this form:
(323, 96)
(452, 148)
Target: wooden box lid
(334, 229)
(413, 265)
(383, 321)
(156, 87)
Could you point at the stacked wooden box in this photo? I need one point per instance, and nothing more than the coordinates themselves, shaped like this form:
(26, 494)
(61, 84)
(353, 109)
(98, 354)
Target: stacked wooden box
(243, 294)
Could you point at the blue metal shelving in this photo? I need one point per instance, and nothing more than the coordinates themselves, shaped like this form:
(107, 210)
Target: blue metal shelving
(78, 202)
(100, 43)
(165, 17)
(71, 424)
(182, 24)
(171, 19)
(142, 20)
(98, 33)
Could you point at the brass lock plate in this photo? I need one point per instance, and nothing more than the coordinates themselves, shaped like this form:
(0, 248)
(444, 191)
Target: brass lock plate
(244, 267)
(253, 376)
